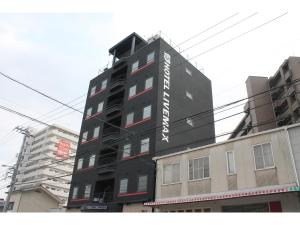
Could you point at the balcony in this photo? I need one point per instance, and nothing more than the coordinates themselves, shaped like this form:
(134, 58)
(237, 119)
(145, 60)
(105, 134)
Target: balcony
(275, 81)
(276, 92)
(117, 84)
(288, 76)
(110, 135)
(106, 169)
(291, 90)
(114, 109)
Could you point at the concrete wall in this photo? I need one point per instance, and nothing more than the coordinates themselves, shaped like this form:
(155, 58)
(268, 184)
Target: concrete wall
(32, 201)
(246, 177)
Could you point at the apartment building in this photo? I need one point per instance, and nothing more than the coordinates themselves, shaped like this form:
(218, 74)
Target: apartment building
(273, 102)
(138, 108)
(47, 160)
(254, 173)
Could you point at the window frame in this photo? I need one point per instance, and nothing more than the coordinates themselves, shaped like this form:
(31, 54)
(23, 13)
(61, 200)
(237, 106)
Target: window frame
(265, 168)
(138, 183)
(102, 104)
(75, 188)
(187, 93)
(89, 112)
(94, 158)
(98, 132)
(227, 163)
(152, 60)
(143, 144)
(93, 90)
(79, 160)
(129, 154)
(127, 124)
(129, 92)
(136, 62)
(198, 179)
(102, 84)
(84, 193)
(188, 71)
(150, 112)
(82, 136)
(124, 178)
(149, 78)
(163, 172)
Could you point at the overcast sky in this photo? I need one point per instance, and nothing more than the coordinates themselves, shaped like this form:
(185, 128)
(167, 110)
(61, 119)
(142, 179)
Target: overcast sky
(58, 50)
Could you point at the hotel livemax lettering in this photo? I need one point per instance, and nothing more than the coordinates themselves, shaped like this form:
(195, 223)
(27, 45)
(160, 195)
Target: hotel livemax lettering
(144, 92)
(166, 98)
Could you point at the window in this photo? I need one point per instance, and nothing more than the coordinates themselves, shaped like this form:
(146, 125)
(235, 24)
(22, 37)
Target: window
(189, 95)
(103, 84)
(126, 150)
(75, 193)
(148, 83)
(230, 163)
(188, 71)
(145, 145)
(87, 191)
(189, 121)
(132, 91)
(171, 173)
(96, 132)
(123, 185)
(84, 137)
(79, 163)
(134, 66)
(199, 168)
(93, 90)
(92, 160)
(142, 183)
(150, 57)
(263, 156)
(100, 107)
(129, 118)
(89, 112)
(147, 112)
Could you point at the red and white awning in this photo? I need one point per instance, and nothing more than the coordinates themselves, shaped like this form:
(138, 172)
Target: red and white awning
(227, 195)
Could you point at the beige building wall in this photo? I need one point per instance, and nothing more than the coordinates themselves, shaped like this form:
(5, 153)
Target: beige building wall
(33, 201)
(139, 207)
(246, 176)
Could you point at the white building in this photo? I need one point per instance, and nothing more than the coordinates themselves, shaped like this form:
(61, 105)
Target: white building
(254, 173)
(46, 155)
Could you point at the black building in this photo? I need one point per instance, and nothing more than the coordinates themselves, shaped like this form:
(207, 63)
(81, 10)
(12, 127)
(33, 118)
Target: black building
(145, 99)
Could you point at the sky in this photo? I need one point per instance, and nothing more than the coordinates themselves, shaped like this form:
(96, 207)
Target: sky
(59, 46)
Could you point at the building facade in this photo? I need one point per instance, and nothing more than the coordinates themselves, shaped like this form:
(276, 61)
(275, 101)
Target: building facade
(273, 102)
(138, 108)
(47, 160)
(255, 173)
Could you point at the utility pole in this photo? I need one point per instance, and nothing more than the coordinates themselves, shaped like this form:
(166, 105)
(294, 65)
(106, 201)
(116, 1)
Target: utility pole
(15, 168)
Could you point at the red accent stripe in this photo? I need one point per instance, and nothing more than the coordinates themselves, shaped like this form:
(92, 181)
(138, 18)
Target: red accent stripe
(133, 124)
(132, 194)
(143, 92)
(93, 115)
(93, 139)
(97, 92)
(80, 199)
(135, 156)
(143, 67)
(84, 169)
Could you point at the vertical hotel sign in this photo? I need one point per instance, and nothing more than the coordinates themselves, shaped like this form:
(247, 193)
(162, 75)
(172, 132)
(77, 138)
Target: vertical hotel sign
(166, 99)
(63, 149)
